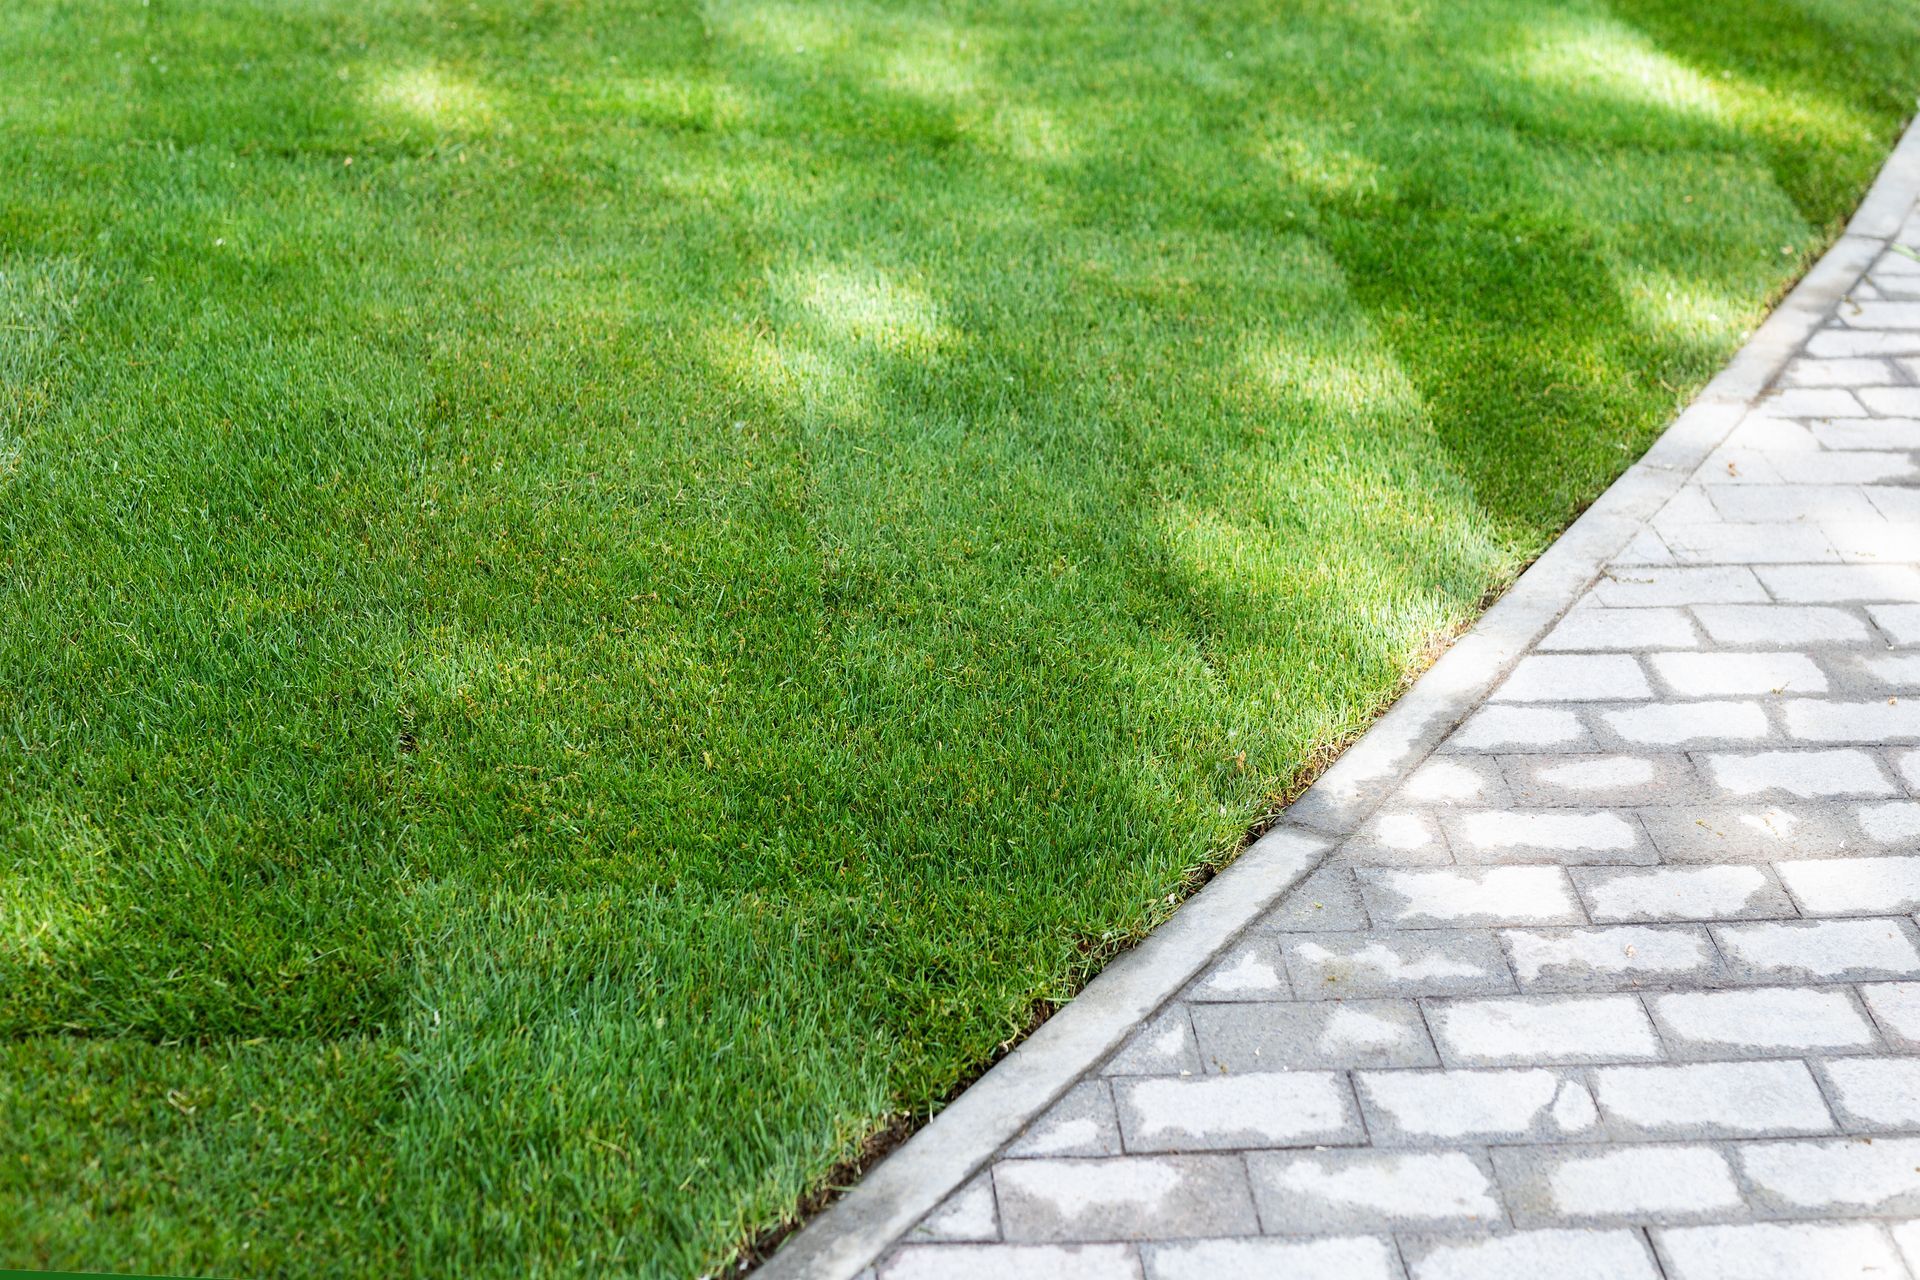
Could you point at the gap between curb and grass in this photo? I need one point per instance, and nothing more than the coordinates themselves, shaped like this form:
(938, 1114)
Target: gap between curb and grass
(895, 1193)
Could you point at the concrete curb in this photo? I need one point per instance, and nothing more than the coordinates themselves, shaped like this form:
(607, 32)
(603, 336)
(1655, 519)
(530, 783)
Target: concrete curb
(903, 1188)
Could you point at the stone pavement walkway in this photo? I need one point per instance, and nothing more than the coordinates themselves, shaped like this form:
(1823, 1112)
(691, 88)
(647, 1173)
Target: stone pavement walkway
(1623, 980)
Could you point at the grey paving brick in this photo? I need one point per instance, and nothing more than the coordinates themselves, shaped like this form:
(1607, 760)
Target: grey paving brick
(1857, 372)
(968, 1214)
(1788, 502)
(1867, 433)
(1334, 1258)
(1900, 671)
(1255, 969)
(1781, 626)
(1610, 957)
(1411, 963)
(1870, 720)
(1856, 342)
(1676, 724)
(1833, 1176)
(1397, 838)
(1777, 1251)
(1508, 727)
(1601, 629)
(1762, 1022)
(1711, 1100)
(1717, 674)
(1896, 1008)
(1163, 1047)
(1341, 1191)
(1875, 1093)
(1543, 1030)
(1753, 832)
(1562, 1254)
(1456, 780)
(1828, 584)
(1081, 1124)
(1773, 435)
(1654, 587)
(1786, 402)
(1819, 950)
(1124, 1198)
(1722, 542)
(1471, 896)
(1893, 822)
(1329, 1033)
(1326, 901)
(1681, 893)
(1556, 781)
(1546, 835)
(1012, 1262)
(1435, 1108)
(1221, 1112)
(1803, 775)
(1901, 622)
(1598, 1186)
(1574, 677)
(1890, 401)
(1852, 886)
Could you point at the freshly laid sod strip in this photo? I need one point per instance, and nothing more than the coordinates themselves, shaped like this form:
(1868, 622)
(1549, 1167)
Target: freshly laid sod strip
(596, 598)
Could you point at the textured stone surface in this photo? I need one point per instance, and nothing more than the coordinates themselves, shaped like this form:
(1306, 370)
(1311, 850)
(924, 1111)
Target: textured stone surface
(1615, 975)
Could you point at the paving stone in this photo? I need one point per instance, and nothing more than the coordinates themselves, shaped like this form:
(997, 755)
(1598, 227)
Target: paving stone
(1896, 1007)
(1787, 502)
(1819, 950)
(1505, 727)
(1610, 957)
(1834, 1175)
(1451, 780)
(1758, 1023)
(1724, 543)
(1856, 466)
(1681, 893)
(1329, 1033)
(1857, 372)
(1711, 1100)
(1805, 775)
(1855, 342)
(1772, 435)
(1706, 675)
(1432, 1108)
(1884, 315)
(1828, 403)
(1571, 677)
(1335, 1258)
(1710, 585)
(1597, 1186)
(1612, 779)
(1866, 433)
(1543, 1030)
(1647, 547)
(1081, 1124)
(1876, 541)
(1873, 720)
(967, 1214)
(1778, 1251)
(1252, 970)
(1164, 1046)
(1894, 822)
(1372, 1190)
(1839, 584)
(1890, 401)
(1907, 765)
(1218, 1112)
(1690, 505)
(1012, 1262)
(1901, 622)
(1621, 628)
(1781, 626)
(1480, 896)
(1755, 832)
(1397, 838)
(1506, 835)
(1328, 900)
(1852, 886)
(1875, 1093)
(1412, 963)
(1123, 1198)
(1898, 671)
(1672, 724)
(1895, 502)
(1534, 1255)
(1906, 1238)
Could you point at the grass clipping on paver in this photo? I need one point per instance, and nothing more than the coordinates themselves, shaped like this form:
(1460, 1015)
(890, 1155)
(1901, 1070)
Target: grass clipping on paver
(597, 598)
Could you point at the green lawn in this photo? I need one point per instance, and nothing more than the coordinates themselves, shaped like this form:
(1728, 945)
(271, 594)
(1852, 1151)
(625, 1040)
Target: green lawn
(596, 597)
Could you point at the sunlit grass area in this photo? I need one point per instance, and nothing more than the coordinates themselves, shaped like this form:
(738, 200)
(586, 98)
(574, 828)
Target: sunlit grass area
(596, 598)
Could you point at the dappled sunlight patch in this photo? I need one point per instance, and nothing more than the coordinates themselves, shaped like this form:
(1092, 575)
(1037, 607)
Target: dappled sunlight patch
(1323, 168)
(1343, 385)
(51, 888)
(1030, 133)
(680, 99)
(866, 305)
(1675, 308)
(1599, 57)
(787, 373)
(429, 96)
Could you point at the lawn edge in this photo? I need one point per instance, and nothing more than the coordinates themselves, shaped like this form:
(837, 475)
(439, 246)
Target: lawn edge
(958, 1142)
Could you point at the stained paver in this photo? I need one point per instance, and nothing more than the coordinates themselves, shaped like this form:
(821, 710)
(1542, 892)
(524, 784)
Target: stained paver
(1623, 980)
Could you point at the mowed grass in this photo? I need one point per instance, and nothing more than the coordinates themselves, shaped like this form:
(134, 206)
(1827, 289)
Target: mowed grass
(596, 598)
